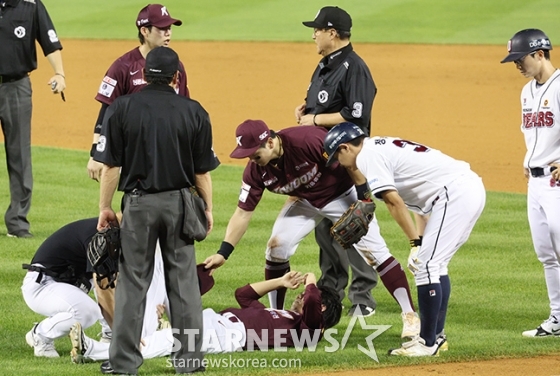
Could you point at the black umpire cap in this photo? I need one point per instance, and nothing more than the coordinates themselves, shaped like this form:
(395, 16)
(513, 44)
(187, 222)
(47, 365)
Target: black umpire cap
(331, 18)
(161, 62)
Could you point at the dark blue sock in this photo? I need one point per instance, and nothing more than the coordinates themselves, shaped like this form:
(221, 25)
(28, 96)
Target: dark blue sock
(445, 292)
(429, 302)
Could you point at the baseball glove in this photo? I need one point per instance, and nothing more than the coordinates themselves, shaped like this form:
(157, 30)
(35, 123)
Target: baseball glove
(103, 254)
(353, 224)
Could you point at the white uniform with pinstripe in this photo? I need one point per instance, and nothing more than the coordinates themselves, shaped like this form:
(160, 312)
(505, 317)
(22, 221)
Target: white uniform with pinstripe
(540, 106)
(429, 182)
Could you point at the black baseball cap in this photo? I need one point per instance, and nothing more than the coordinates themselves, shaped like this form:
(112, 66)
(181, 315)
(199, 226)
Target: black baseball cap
(161, 62)
(331, 17)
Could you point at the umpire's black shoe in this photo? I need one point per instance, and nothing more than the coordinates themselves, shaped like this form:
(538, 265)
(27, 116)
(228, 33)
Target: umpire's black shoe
(361, 310)
(107, 369)
(24, 234)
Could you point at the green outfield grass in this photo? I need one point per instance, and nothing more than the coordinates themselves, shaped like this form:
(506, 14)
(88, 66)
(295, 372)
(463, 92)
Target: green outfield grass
(379, 21)
(497, 283)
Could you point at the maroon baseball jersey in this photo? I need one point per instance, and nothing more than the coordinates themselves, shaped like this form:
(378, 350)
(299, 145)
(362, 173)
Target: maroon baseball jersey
(125, 77)
(257, 317)
(300, 172)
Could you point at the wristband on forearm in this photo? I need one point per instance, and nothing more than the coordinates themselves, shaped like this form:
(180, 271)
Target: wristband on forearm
(225, 250)
(363, 192)
(415, 243)
(93, 149)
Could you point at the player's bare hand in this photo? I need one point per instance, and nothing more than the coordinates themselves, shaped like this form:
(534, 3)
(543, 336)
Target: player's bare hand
(94, 169)
(310, 279)
(214, 262)
(526, 173)
(160, 310)
(306, 120)
(57, 83)
(106, 217)
(291, 280)
(299, 112)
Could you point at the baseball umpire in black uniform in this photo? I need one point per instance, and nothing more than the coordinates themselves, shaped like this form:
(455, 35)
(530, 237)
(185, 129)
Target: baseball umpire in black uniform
(341, 89)
(21, 24)
(162, 142)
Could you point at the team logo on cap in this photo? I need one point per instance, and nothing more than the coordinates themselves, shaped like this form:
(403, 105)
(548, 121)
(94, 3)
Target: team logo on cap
(238, 140)
(509, 45)
(164, 11)
(539, 43)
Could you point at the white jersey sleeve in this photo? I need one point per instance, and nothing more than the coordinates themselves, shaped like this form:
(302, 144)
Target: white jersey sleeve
(540, 121)
(418, 173)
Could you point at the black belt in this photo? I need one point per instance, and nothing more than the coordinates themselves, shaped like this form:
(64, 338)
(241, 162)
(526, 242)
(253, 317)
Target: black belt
(137, 192)
(537, 172)
(6, 79)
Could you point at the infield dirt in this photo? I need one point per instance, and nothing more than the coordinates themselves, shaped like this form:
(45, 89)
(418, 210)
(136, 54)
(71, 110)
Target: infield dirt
(458, 99)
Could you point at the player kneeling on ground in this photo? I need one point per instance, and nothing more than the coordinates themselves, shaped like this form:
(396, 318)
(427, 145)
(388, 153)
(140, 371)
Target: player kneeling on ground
(410, 176)
(57, 283)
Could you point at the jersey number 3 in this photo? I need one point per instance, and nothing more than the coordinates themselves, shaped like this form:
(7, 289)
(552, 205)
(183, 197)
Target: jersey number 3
(417, 147)
(357, 110)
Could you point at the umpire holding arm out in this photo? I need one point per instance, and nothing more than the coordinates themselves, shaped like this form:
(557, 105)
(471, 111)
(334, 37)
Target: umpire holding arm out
(341, 89)
(22, 22)
(161, 142)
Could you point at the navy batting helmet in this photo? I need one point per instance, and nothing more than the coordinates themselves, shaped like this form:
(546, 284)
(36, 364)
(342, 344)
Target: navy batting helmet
(340, 133)
(526, 41)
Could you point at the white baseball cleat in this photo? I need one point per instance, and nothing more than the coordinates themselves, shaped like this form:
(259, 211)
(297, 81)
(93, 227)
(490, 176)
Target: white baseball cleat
(78, 344)
(416, 347)
(549, 327)
(411, 325)
(41, 347)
